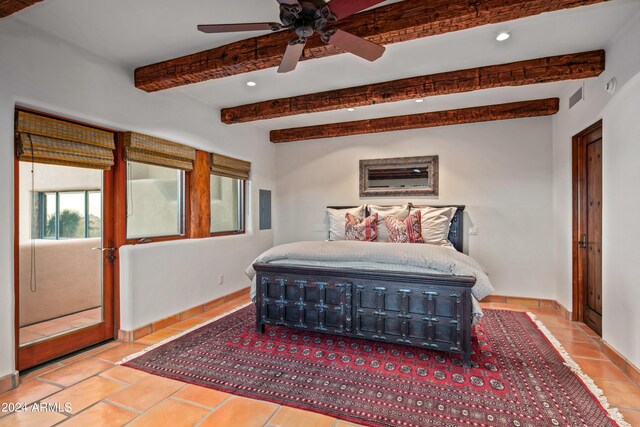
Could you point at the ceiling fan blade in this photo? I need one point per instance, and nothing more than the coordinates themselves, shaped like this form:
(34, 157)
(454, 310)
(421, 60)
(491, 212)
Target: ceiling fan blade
(230, 28)
(356, 45)
(292, 2)
(291, 56)
(343, 8)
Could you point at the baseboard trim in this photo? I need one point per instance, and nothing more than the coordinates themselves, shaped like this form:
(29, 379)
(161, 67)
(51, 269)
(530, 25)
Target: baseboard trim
(562, 311)
(530, 302)
(143, 331)
(9, 382)
(621, 362)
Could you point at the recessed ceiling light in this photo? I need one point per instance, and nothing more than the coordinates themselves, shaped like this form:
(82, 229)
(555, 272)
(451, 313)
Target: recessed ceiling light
(503, 36)
(351, 109)
(419, 100)
(251, 84)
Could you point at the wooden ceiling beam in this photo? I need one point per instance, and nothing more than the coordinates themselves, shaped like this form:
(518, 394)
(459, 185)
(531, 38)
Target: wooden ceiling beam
(513, 110)
(534, 71)
(9, 7)
(394, 23)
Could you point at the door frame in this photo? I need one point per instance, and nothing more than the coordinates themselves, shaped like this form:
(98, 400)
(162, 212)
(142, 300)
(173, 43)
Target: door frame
(579, 143)
(30, 355)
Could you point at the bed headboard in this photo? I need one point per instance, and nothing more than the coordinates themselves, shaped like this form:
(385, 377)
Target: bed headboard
(456, 236)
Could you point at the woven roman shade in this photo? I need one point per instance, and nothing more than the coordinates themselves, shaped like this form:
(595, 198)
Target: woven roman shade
(155, 151)
(230, 167)
(43, 139)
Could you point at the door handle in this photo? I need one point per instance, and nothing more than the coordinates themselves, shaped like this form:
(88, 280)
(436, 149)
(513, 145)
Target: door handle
(582, 243)
(110, 256)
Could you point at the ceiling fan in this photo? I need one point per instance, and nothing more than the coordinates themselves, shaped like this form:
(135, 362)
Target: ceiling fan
(306, 17)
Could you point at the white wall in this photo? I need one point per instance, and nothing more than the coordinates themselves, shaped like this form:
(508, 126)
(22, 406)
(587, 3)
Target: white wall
(621, 228)
(501, 171)
(623, 62)
(621, 199)
(158, 279)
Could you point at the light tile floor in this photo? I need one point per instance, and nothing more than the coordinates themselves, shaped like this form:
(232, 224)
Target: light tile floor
(60, 325)
(101, 393)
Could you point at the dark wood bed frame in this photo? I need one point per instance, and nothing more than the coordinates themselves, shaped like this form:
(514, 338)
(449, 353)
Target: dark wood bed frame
(419, 310)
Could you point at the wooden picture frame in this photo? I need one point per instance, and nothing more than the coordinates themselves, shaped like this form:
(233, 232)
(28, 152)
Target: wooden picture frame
(430, 164)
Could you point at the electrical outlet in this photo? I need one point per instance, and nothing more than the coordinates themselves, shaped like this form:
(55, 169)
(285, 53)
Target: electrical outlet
(221, 279)
(473, 231)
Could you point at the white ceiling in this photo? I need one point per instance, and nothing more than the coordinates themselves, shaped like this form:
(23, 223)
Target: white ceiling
(139, 32)
(136, 33)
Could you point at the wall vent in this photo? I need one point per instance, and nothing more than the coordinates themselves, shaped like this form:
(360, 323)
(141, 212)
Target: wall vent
(576, 97)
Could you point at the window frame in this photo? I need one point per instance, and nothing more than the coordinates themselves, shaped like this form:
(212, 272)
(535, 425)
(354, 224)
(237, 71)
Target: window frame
(242, 216)
(43, 213)
(185, 211)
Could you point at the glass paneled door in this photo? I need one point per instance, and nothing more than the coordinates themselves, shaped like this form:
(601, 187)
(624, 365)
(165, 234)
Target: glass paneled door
(65, 261)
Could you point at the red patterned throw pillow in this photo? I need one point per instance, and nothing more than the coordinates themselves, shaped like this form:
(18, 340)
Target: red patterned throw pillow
(408, 230)
(365, 230)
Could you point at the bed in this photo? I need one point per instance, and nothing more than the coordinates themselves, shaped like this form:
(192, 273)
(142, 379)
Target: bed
(413, 294)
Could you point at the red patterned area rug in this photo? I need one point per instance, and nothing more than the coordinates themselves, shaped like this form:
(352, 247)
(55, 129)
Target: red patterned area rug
(518, 377)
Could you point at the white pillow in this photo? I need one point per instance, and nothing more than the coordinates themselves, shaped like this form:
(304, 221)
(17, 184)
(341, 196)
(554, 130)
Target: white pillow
(338, 220)
(436, 223)
(401, 212)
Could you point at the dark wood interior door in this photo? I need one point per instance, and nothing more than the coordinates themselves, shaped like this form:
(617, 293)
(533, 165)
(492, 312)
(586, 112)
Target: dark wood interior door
(593, 200)
(588, 154)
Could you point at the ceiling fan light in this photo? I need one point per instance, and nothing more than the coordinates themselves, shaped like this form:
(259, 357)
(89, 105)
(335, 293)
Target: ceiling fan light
(251, 84)
(503, 36)
(305, 18)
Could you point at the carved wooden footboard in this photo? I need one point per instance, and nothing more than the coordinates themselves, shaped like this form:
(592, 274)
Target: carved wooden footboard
(420, 310)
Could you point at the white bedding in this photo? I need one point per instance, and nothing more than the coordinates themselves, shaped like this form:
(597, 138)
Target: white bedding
(403, 257)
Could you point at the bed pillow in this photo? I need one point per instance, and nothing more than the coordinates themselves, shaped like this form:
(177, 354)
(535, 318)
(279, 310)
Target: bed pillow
(401, 212)
(337, 220)
(408, 230)
(364, 230)
(436, 223)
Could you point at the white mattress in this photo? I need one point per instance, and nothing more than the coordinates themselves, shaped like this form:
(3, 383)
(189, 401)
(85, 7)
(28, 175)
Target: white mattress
(380, 256)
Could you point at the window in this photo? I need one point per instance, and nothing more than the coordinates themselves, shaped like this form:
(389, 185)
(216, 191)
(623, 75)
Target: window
(68, 214)
(227, 204)
(155, 201)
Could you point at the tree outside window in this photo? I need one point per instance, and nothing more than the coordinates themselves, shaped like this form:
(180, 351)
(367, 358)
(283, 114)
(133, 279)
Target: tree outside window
(68, 214)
